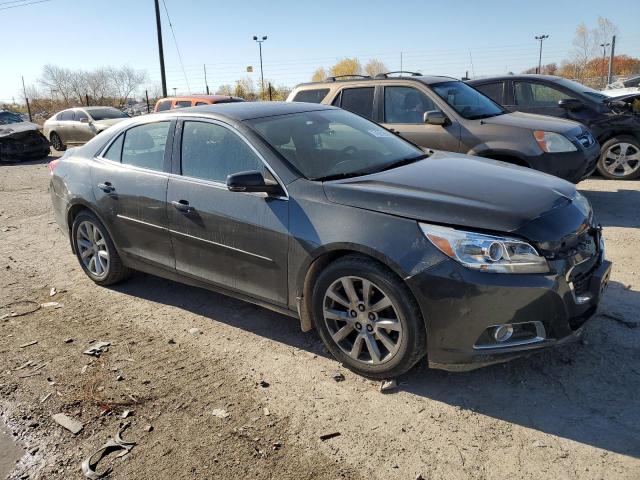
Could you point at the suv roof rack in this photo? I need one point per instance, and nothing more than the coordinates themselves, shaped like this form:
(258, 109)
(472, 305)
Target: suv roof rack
(386, 75)
(333, 79)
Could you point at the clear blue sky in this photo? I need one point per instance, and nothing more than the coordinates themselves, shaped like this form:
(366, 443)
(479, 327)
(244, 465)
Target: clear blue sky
(442, 37)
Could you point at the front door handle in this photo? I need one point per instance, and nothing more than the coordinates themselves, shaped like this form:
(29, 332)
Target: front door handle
(182, 205)
(106, 187)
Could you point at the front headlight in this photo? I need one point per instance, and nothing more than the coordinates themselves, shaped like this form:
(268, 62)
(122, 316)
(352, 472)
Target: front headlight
(486, 253)
(551, 142)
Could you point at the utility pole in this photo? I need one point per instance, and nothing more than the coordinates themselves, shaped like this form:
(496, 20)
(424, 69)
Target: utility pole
(604, 62)
(261, 71)
(611, 55)
(24, 89)
(160, 49)
(540, 38)
(401, 62)
(205, 78)
(146, 94)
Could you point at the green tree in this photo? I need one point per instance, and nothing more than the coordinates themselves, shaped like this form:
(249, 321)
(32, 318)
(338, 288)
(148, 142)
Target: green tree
(346, 66)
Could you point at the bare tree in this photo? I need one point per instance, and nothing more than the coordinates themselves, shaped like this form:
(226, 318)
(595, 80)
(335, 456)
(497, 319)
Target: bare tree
(605, 31)
(125, 81)
(57, 80)
(374, 67)
(97, 84)
(584, 44)
(225, 90)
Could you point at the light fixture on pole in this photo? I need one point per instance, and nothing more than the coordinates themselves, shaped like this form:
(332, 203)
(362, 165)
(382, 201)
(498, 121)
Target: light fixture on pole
(260, 40)
(540, 38)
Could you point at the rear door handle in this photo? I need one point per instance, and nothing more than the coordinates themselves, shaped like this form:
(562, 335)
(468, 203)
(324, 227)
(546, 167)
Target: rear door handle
(182, 205)
(106, 187)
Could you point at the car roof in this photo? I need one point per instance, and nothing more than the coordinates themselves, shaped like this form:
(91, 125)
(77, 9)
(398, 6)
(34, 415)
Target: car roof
(248, 110)
(523, 76)
(211, 98)
(426, 79)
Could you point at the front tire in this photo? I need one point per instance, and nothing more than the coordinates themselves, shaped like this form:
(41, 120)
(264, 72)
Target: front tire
(56, 142)
(95, 250)
(367, 318)
(620, 158)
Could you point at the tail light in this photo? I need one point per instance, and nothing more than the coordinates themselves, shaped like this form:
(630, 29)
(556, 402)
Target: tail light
(53, 164)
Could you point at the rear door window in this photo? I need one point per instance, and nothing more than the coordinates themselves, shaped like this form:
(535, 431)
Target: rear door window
(311, 96)
(183, 104)
(495, 91)
(406, 105)
(537, 94)
(144, 145)
(66, 115)
(201, 103)
(358, 100)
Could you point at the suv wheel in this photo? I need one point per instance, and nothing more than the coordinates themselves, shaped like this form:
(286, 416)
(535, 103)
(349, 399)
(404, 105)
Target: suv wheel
(620, 158)
(95, 250)
(367, 318)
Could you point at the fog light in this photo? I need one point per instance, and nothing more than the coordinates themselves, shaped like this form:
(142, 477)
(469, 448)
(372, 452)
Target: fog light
(503, 333)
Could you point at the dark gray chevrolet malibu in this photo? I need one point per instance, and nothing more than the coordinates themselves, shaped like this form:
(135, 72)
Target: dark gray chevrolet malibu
(390, 251)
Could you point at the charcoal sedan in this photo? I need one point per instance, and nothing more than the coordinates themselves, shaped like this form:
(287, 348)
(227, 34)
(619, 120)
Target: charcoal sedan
(390, 251)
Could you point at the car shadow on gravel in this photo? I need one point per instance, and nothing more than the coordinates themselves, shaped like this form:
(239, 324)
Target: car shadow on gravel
(586, 392)
(224, 309)
(615, 209)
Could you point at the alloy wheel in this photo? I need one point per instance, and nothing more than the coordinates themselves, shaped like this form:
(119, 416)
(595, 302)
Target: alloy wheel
(362, 320)
(622, 159)
(56, 142)
(92, 248)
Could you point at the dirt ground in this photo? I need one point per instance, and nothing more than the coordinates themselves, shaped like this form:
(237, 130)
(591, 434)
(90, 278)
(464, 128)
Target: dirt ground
(571, 413)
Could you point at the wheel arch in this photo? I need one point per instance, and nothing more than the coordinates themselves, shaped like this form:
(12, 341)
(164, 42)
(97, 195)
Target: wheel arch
(325, 255)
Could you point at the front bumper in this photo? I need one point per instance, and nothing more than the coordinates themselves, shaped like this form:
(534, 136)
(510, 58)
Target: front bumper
(460, 304)
(21, 146)
(571, 166)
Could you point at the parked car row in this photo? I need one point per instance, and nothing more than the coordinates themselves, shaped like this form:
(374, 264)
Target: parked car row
(443, 113)
(391, 251)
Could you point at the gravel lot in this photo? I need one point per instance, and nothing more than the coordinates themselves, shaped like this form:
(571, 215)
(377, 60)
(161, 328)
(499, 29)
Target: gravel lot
(564, 414)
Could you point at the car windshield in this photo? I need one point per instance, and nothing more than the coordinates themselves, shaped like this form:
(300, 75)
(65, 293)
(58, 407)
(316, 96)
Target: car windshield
(106, 114)
(332, 144)
(467, 101)
(583, 89)
(9, 117)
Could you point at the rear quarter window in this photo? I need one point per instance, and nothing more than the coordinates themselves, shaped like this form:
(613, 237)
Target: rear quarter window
(311, 96)
(183, 104)
(163, 106)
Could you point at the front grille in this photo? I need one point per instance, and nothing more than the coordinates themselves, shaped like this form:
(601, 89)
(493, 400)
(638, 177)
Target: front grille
(586, 139)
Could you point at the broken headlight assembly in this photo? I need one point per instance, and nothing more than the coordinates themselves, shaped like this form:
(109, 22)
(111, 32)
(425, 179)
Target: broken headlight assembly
(486, 253)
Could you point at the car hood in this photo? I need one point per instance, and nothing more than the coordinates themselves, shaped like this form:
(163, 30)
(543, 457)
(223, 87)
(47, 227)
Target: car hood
(457, 190)
(108, 122)
(531, 121)
(11, 128)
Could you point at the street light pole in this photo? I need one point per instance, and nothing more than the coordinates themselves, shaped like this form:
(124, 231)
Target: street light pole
(540, 38)
(160, 50)
(260, 40)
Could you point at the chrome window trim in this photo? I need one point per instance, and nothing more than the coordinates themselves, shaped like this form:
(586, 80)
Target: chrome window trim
(244, 138)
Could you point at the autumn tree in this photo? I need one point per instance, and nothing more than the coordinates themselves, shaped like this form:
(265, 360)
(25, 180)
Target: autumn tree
(374, 67)
(347, 66)
(319, 75)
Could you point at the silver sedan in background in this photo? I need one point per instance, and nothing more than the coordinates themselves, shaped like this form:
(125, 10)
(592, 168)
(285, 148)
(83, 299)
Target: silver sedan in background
(76, 126)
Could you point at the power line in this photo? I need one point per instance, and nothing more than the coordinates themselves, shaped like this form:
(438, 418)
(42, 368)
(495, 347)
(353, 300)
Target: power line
(173, 33)
(23, 4)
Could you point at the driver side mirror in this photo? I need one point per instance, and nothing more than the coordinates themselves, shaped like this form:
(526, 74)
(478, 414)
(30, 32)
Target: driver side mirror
(435, 117)
(252, 181)
(570, 104)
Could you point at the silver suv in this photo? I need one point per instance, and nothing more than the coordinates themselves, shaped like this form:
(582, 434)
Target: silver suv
(443, 113)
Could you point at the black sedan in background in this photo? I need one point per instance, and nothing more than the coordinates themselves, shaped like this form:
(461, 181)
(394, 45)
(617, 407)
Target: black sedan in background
(391, 252)
(615, 122)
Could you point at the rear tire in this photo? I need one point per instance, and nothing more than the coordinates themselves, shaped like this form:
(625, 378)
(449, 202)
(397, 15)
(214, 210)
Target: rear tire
(611, 165)
(367, 318)
(56, 142)
(95, 250)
